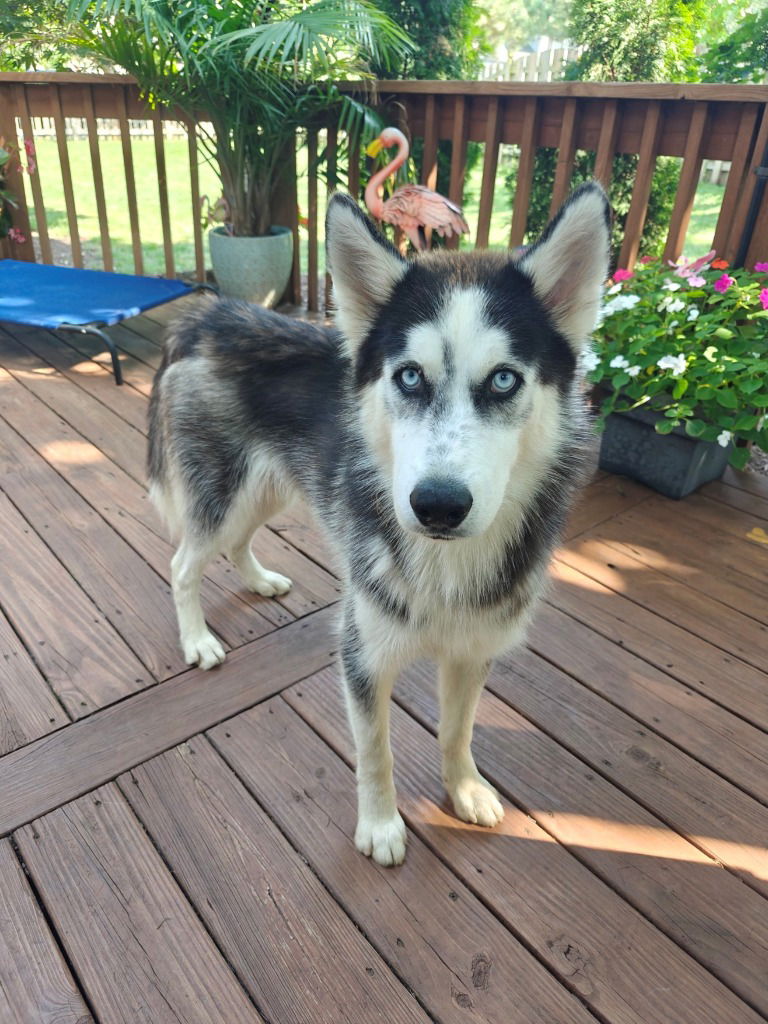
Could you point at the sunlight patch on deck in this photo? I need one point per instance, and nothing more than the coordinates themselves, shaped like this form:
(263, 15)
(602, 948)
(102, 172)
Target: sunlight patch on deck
(71, 452)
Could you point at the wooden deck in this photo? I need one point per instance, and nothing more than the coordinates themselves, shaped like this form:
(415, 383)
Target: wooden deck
(177, 846)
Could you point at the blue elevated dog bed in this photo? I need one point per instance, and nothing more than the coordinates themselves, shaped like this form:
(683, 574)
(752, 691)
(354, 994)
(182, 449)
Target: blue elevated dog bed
(68, 299)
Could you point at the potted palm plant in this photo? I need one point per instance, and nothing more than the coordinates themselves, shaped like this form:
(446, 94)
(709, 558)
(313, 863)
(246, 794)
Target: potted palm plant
(680, 362)
(256, 72)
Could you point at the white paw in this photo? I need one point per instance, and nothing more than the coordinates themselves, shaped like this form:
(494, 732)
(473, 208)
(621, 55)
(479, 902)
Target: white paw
(268, 584)
(383, 839)
(204, 650)
(476, 801)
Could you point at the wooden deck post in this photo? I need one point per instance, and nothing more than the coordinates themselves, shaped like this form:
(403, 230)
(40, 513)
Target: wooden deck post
(15, 178)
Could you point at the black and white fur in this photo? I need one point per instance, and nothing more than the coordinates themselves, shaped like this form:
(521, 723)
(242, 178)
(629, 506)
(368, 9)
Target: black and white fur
(439, 437)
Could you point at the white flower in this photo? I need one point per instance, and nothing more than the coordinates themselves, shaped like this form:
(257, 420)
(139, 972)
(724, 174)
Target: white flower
(614, 289)
(620, 302)
(724, 438)
(671, 286)
(633, 370)
(676, 364)
(676, 305)
(619, 363)
(693, 313)
(590, 361)
(672, 326)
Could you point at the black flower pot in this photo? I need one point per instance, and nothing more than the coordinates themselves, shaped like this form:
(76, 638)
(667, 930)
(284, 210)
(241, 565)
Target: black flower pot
(672, 464)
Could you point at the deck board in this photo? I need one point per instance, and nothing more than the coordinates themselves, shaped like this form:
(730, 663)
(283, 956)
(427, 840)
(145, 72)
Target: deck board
(627, 884)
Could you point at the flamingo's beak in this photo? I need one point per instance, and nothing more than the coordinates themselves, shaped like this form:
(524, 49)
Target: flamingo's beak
(374, 148)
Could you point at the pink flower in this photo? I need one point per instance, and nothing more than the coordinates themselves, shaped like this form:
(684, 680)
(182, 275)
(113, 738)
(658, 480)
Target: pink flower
(31, 166)
(648, 259)
(29, 146)
(761, 268)
(694, 265)
(764, 298)
(695, 281)
(722, 284)
(623, 275)
(16, 236)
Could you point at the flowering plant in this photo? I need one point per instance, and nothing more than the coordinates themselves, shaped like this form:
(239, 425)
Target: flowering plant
(689, 341)
(7, 199)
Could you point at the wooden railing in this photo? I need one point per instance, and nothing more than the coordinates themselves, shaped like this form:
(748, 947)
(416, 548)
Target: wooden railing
(692, 122)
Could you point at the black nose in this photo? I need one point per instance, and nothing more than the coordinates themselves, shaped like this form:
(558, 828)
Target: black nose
(441, 504)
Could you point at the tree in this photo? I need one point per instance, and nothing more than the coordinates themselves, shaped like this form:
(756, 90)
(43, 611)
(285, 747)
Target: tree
(743, 55)
(447, 40)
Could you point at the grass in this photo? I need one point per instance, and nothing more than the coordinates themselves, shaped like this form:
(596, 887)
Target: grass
(182, 211)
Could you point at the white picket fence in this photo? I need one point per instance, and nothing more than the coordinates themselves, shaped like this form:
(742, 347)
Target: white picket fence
(545, 65)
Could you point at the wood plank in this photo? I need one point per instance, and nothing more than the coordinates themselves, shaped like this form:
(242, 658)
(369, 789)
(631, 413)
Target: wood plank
(582, 930)
(232, 612)
(35, 982)
(138, 948)
(524, 172)
(290, 944)
(736, 177)
(60, 767)
(606, 145)
(602, 499)
(130, 180)
(699, 614)
(439, 938)
(458, 159)
(718, 739)
(566, 151)
(736, 498)
(718, 818)
(66, 177)
(98, 179)
(688, 183)
(128, 592)
(28, 709)
(705, 910)
(728, 515)
(693, 661)
(41, 218)
(162, 189)
(754, 483)
(490, 163)
(313, 303)
(194, 187)
(638, 207)
(332, 141)
(431, 133)
(298, 526)
(80, 654)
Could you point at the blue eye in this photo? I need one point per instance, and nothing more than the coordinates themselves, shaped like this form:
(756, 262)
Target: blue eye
(409, 378)
(504, 381)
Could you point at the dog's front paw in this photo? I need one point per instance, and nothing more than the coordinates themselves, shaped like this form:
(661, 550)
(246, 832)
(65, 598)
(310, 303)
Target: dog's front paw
(204, 650)
(382, 838)
(269, 584)
(476, 801)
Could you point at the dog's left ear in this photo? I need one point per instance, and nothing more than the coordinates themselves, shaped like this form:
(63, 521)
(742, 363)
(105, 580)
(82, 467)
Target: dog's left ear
(364, 266)
(569, 264)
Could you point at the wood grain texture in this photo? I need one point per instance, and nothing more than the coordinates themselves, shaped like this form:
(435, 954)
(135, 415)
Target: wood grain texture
(638, 207)
(490, 163)
(575, 923)
(705, 910)
(98, 180)
(431, 129)
(140, 952)
(524, 173)
(736, 498)
(313, 301)
(162, 188)
(606, 146)
(288, 941)
(60, 767)
(66, 178)
(566, 151)
(130, 180)
(425, 922)
(41, 219)
(35, 983)
(688, 183)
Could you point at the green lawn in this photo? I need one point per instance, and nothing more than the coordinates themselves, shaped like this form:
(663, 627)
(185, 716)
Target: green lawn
(707, 203)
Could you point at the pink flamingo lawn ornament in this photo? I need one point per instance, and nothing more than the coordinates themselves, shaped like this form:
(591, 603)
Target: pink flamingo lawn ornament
(412, 207)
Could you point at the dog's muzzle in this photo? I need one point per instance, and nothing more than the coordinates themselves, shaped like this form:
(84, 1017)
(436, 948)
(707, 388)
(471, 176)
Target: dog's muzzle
(441, 505)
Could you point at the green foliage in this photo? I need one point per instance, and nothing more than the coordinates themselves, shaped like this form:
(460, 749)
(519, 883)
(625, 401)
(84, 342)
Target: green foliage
(516, 23)
(743, 55)
(689, 343)
(446, 39)
(258, 71)
(31, 35)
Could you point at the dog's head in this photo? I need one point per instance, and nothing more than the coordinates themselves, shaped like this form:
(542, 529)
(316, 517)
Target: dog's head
(464, 362)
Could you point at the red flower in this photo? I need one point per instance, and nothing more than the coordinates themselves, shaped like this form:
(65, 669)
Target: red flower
(16, 236)
(720, 265)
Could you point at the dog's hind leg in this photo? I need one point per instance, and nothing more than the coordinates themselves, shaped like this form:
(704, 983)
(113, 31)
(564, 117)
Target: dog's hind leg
(200, 646)
(474, 799)
(244, 520)
(380, 831)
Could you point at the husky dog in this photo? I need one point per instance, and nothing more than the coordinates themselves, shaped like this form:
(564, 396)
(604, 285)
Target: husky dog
(439, 437)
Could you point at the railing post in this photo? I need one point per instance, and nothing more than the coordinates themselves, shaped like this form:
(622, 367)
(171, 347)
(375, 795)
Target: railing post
(15, 180)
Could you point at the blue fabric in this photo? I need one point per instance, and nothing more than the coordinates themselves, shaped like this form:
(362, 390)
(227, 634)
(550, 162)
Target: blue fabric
(43, 296)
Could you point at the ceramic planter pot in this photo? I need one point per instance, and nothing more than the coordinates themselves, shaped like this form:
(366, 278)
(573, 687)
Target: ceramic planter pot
(672, 464)
(253, 268)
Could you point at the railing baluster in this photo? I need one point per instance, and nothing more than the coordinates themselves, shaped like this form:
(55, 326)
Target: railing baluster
(431, 135)
(725, 242)
(130, 181)
(689, 180)
(331, 150)
(606, 146)
(66, 177)
(197, 213)
(353, 171)
(313, 303)
(98, 179)
(524, 172)
(162, 188)
(565, 155)
(638, 207)
(34, 180)
(458, 158)
(490, 163)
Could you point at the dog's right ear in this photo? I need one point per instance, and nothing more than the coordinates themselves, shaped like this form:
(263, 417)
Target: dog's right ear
(364, 266)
